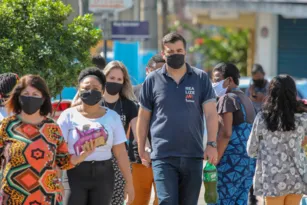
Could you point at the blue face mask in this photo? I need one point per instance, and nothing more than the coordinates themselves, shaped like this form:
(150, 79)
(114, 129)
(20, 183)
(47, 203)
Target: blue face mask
(219, 89)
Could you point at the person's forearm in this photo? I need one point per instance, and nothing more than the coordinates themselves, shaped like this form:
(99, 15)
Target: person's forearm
(59, 172)
(124, 164)
(212, 126)
(75, 160)
(142, 132)
(133, 126)
(222, 143)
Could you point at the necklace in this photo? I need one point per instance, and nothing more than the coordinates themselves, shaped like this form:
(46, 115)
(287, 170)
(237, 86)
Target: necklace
(108, 106)
(120, 112)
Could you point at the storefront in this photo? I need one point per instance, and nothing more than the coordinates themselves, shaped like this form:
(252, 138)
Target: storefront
(279, 40)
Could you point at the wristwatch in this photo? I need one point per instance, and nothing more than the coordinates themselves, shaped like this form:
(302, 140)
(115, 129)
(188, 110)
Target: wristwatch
(212, 144)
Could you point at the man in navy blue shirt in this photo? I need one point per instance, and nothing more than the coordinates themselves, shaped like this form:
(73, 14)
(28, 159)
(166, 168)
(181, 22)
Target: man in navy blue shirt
(174, 100)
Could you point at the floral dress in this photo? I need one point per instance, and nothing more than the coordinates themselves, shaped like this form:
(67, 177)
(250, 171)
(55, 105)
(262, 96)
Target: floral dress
(281, 161)
(30, 155)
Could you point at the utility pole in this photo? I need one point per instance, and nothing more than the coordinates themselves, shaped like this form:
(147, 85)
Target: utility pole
(80, 4)
(164, 4)
(136, 10)
(149, 13)
(106, 20)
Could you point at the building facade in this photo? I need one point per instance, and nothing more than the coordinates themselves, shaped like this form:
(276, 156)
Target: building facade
(279, 30)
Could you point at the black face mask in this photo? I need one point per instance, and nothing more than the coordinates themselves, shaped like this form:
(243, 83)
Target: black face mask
(175, 61)
(30, 105)
(259, 83)
(90, 97)
(113, 88)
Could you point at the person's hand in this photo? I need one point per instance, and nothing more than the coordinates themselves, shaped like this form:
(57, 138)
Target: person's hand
(88, 149)
(211, 155)
(146, 161)
(129, 193)
(145, 157)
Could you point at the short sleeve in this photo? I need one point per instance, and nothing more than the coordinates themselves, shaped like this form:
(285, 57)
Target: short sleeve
(207, 94)
(227, 103)
(146, 95)
(132, 110)
(63, 122)
(137, 90)
(63, 158)
(303, 120)
(254, 138)
(119, 135)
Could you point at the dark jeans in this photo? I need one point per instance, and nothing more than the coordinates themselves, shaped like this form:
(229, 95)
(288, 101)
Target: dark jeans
(91, 183)
(178, 180)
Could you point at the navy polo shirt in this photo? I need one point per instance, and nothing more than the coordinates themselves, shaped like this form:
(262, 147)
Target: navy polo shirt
(177, 124)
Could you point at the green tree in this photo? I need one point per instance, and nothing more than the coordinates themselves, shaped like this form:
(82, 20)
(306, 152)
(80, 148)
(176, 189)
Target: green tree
(219, 45)
(35, 38)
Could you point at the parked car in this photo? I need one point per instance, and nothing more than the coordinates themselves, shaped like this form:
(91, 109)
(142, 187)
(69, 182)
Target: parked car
(63, 101)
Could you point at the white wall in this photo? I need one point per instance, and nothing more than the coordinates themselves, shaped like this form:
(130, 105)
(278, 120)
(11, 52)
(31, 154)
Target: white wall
(266, 47)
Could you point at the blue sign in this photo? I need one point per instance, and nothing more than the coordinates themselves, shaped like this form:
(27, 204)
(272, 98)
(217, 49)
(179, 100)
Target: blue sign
(128, 54)
(130, 30)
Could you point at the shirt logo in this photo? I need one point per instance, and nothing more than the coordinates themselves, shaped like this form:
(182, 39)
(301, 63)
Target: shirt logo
(100, 135)
(189, 94)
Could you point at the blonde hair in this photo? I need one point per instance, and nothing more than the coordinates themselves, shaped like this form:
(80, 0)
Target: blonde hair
(127, 90)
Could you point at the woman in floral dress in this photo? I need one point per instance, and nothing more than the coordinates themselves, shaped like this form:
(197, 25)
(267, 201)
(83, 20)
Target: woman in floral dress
(31, 146)
(277, 141)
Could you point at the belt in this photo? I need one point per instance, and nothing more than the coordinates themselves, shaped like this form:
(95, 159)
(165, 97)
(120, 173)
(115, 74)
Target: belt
(96, 162)
(93, 164)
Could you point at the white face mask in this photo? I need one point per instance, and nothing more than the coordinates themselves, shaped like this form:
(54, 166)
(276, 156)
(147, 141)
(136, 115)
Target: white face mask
(218, 88)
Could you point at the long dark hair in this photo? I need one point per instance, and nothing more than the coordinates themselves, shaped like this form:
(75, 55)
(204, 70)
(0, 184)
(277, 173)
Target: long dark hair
(281, 104)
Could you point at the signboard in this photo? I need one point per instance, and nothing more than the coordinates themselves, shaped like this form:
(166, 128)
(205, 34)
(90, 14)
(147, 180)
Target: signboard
(223, 14)
(97, 6)
(130, 30)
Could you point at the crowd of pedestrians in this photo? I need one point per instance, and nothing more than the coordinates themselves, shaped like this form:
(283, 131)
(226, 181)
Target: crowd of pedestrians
(117, 141)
